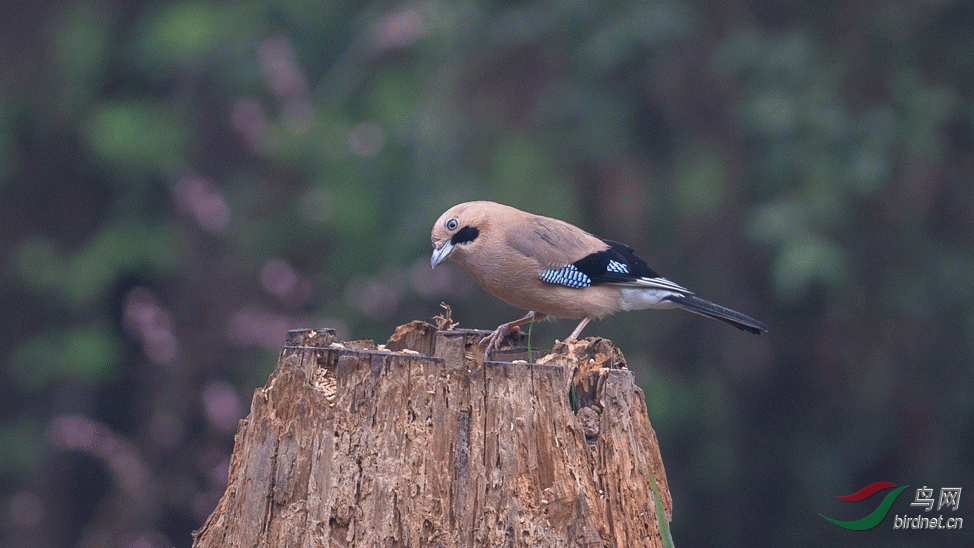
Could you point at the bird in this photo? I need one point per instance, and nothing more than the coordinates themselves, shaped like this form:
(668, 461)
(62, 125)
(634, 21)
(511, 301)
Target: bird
(549, 267)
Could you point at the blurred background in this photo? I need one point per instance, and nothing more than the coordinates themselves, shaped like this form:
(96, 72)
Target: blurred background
(182, 182)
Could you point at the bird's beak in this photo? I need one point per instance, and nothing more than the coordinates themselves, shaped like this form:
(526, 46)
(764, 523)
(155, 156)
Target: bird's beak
(440, 254)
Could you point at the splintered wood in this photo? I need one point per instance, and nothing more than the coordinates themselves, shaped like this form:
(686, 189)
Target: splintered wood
(419, 443)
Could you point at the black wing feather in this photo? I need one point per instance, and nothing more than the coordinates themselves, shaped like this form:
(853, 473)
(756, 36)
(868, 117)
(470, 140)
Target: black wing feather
(597, 265)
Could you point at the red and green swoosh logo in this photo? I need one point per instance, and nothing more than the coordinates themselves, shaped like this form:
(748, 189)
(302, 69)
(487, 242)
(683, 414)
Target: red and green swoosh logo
(878, 514)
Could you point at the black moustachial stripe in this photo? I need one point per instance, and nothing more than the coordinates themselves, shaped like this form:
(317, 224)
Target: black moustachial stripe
(464, 235)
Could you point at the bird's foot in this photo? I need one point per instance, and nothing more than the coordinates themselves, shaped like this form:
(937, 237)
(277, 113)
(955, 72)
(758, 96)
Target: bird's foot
(494, 340)
(497, 337)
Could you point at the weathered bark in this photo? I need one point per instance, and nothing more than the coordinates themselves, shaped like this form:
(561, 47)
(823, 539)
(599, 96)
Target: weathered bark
(429, 446)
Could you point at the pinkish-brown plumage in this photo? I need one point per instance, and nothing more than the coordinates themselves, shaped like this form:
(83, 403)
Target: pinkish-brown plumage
(552, 268)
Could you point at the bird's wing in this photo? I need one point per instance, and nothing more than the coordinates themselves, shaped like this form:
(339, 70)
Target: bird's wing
(615, 264)
(550, 243)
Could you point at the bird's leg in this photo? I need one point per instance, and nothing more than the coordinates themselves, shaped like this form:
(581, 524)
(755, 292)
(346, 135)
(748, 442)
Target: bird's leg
(494, 340)
(578, 330)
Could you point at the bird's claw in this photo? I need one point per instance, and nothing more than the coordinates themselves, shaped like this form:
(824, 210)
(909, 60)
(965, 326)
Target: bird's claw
(494, 340)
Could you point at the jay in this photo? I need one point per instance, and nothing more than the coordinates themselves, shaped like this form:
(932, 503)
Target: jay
(551, 268)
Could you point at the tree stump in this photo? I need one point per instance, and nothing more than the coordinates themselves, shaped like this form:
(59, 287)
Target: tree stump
(418, 442)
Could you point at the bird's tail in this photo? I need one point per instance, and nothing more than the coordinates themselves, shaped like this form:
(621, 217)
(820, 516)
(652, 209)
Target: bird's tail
(717, 312)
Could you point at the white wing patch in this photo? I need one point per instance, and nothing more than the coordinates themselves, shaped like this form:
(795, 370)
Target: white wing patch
(617, 267)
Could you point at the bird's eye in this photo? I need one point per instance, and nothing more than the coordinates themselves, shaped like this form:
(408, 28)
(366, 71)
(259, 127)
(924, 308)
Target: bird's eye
(452, 224)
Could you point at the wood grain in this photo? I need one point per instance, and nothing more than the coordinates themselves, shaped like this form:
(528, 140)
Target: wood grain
(432, 447)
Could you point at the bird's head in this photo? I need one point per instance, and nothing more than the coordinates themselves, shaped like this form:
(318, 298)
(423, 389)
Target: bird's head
(457, 230)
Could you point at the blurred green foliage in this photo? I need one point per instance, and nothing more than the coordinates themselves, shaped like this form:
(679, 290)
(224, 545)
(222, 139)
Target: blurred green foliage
(90, 353)
(90, 272)
(182, 182)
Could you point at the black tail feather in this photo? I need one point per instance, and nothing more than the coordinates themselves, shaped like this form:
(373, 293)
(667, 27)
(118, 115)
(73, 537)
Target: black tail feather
(717, 312)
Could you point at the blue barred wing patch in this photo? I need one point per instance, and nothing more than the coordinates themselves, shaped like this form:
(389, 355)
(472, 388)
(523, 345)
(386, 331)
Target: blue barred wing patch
(568, 276)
